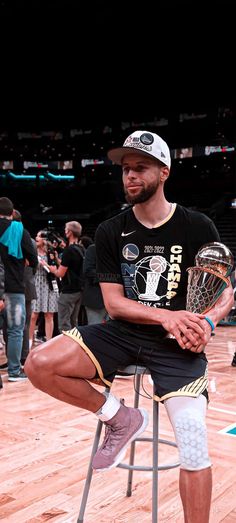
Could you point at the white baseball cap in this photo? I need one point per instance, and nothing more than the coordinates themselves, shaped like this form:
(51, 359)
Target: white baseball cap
(144, 142)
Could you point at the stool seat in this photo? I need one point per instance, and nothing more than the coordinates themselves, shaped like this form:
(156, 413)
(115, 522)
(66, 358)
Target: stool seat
(137, 371)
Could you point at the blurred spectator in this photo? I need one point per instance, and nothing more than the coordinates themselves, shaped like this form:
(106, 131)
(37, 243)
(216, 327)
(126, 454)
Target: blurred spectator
(92, 294)
(84, 242)
(30, 294)
(71, 272)
(233, 363)
(2, 288)
(1, 301)
(16, 249)
(46, 288)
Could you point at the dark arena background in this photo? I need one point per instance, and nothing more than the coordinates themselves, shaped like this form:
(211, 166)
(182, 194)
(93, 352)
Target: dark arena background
(76, 79)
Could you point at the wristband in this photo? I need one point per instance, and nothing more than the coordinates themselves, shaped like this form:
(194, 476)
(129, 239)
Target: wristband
(210, 323)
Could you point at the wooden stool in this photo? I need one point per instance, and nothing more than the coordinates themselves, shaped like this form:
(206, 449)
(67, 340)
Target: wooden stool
(137, 372)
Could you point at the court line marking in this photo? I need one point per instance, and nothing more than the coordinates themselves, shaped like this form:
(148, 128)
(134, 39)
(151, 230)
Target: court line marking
(227, 429)
(222, 410)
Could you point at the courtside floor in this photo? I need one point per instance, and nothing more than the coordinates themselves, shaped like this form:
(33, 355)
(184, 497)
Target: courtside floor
(45, 447)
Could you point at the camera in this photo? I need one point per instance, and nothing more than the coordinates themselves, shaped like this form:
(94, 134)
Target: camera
(51, 235)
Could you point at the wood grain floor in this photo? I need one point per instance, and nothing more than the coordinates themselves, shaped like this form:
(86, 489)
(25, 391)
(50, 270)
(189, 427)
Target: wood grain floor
(45, 447)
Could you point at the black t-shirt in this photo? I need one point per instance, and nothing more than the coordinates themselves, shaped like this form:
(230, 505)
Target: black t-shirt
(15, 267)
(72, 258)
(152, 264)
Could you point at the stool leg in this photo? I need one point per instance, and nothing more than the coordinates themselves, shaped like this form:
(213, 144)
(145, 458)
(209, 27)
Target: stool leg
(89, 473)
(132, 446)
(155, 461)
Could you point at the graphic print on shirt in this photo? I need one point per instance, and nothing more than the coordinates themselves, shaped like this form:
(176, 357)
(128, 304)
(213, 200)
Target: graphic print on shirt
(152, 280)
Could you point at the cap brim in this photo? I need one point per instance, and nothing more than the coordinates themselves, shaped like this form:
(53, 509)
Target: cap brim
(117, 155)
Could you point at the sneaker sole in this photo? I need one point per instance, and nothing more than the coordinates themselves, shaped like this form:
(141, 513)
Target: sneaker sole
(122, 452)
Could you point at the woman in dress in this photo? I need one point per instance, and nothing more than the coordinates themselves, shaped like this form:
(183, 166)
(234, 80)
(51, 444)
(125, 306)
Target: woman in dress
(46, 288)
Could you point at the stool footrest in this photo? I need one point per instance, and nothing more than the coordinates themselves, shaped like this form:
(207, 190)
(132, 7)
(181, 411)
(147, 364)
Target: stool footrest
(164, 441)
(147, 469)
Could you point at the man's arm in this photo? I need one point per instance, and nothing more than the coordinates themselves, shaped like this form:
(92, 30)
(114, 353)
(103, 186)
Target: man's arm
(223, 305)
(219, 310)
(178, 323)
(59, 272)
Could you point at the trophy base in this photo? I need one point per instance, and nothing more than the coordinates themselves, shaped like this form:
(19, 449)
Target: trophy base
(149, 296)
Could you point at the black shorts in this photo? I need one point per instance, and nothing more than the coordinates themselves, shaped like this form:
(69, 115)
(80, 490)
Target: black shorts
(174, 371)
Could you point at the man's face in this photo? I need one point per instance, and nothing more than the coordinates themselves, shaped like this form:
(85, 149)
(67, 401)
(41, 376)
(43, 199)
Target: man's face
(67, 231)
(141, 178)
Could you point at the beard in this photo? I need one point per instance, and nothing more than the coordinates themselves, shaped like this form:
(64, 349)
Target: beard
(143, 196)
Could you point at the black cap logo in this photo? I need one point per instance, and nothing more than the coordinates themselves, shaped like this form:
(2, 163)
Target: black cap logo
(146, 138)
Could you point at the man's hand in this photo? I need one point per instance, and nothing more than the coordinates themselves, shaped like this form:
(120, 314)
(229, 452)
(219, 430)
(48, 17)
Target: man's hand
(53, 269)
(200, 346)
(188, 328)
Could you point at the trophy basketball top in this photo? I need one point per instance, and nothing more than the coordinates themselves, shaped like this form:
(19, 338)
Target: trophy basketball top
(217, 257)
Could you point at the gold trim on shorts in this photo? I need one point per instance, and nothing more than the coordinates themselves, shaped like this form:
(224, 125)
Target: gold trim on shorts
(193, 390)
(76, 336)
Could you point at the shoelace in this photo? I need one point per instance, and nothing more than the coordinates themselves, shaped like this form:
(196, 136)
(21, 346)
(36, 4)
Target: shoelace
(108, 431)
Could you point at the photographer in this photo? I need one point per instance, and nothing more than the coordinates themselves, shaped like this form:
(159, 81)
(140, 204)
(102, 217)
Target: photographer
(46, 286)
(71, 272)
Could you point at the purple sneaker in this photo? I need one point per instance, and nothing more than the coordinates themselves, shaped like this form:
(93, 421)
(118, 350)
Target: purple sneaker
(127, 424)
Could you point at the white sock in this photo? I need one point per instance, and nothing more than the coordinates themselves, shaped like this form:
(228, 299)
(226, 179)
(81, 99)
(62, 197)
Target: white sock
(109, 409)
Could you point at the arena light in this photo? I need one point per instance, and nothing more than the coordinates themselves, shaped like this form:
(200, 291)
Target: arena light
(25, 176)
(60, 176)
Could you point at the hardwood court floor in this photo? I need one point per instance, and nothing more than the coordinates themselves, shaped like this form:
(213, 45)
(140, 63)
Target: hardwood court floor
(45, 447)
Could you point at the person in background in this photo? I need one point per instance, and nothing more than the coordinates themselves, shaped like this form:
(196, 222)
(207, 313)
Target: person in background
(85, 241)
(16, 250)
(2, 286)
(30, 294)
(71, 273)
(47, 295)
(142, 260)
(2, 305)
(233, 363)
(92, 294)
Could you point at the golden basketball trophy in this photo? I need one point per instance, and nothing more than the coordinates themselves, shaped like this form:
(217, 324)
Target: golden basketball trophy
(209, 277)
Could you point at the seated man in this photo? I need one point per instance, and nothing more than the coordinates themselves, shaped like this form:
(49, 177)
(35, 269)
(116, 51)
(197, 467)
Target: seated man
(142, 257)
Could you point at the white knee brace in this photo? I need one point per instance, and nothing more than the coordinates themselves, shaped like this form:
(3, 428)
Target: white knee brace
(187, 416)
